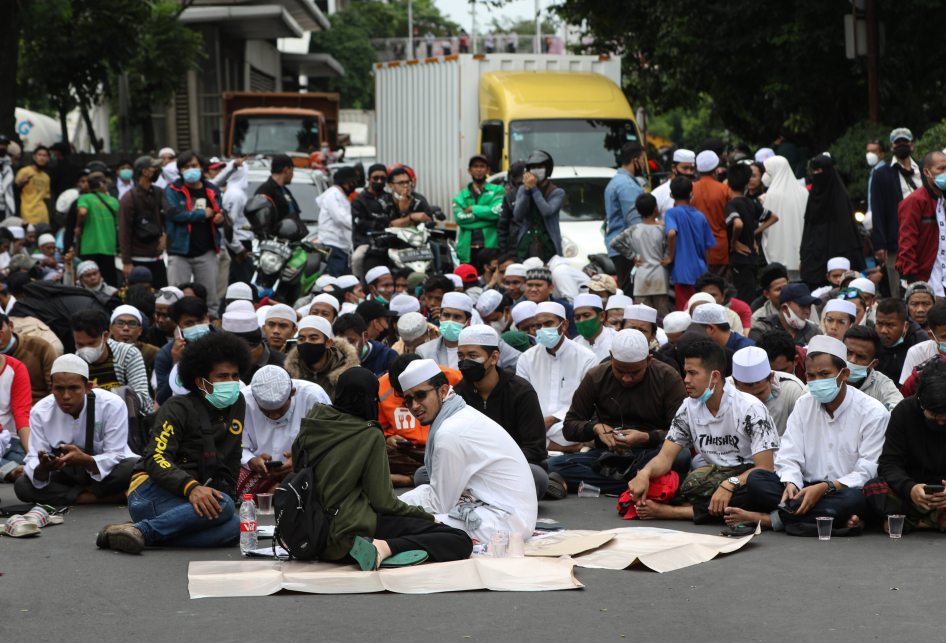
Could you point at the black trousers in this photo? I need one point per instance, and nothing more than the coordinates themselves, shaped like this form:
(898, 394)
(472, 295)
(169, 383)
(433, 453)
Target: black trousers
(67, 484)
(159, 272)
(623, 267)
(441, 542)
(743, 278)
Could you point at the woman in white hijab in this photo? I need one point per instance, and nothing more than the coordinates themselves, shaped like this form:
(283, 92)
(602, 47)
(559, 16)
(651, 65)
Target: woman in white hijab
(786, 198)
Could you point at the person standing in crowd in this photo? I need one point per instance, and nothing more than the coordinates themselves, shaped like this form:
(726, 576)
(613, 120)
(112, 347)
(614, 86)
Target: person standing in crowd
(7, 180)
(34, 185)
(620, 203)
(888, 188)
(755, 189)
(335, 224)
(689, 237)
(141, 232)
(476, 210)
(507, 230)
(710, 197)
(538, 205)
(785, 196)
(875, 161)
(241, 247)
(125, 181)
(830, 228)
(95, 228)
(683, 163)
(922, 251)
(745, 221)
(194, 223)
(644, 245)
(276, 188)
(368, 215)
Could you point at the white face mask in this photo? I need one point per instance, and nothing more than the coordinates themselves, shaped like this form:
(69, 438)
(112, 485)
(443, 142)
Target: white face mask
(500, 326)
(766, 179)
(794, 320)
(539, 173)
(91, 354)
(872, 159)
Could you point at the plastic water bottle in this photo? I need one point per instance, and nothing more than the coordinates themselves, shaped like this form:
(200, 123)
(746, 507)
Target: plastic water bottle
(247, 524)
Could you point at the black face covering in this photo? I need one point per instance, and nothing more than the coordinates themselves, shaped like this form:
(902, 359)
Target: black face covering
(902, 151)
(472, 370)
(310, 353)
(3, 152)
(357, 393)
(377, 186)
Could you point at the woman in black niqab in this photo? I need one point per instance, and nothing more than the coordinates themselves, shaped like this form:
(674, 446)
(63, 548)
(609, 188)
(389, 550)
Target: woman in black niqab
(356, 393)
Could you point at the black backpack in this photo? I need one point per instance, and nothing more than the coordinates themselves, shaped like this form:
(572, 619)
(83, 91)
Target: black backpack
(301, 523)
(147, 225)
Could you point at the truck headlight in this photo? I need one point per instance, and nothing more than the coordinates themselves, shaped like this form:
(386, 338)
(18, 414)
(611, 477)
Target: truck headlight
(569, 248)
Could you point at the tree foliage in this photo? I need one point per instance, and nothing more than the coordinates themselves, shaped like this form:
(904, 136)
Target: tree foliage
(849, 153)
(769, 67)
(347, 41)
(389, 19)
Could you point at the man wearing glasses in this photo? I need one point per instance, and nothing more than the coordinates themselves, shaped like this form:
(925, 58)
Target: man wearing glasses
(125, 328)
(162, 331)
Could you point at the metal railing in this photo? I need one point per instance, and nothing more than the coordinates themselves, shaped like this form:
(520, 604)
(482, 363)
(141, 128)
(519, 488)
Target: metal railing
(390, 49)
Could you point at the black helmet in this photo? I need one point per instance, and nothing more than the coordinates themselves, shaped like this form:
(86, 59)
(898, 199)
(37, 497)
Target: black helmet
(290, 229)
(98, 166)
(260, 212)
(539, 157)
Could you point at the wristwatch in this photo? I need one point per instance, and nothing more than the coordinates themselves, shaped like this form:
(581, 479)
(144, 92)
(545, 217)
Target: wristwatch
(734, 481)
(831, 487)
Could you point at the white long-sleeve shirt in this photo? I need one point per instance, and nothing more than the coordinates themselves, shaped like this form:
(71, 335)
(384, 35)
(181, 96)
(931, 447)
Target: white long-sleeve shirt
(555, 379)
(602, 345)
(50, 427)
(473, 452)
(817, 447)
(335, 218)
(262, 435)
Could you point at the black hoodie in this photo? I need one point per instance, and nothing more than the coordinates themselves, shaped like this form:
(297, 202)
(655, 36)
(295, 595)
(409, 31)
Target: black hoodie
(892, 357)
(913, 453)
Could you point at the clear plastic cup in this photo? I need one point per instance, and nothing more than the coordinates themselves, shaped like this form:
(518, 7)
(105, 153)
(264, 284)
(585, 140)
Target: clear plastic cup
(824, 527)
(265, 503)
(497, 546)
(895, 524)
(516, 547)
(588, 490)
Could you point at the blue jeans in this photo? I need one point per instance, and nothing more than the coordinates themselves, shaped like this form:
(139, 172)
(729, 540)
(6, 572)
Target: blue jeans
(765, 491)
(168, 519)
(12, 458)
(576, 467)
(337, 264)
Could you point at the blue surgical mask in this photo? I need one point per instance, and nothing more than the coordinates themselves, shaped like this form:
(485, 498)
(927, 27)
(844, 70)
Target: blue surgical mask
(899, 341)
(707, 394)
(548, 337)
(770, 397)
(858, 372)
(942, 348)
(283, 417)
(125, 175)
(9, 345)
(824, 390)
(195, 332)
(940, 181)
(192, 175)
(224, 395)
(450, 330)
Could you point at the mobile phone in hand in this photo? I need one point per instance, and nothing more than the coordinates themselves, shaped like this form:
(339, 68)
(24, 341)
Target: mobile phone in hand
(402, 443)
(930, 489)
(272, 464)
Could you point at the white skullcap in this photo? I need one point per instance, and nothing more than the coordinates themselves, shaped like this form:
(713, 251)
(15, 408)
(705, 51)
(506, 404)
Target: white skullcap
(478, 334)
(418, 372)
(618, 291)
(703, 297)
(83, 267)
(522, 311)
(45, 238)
(864, 285)
(830, 345)
(618, 301)
(175, 381)
(125, 310)
(684, 156)
(710, 314)
(30, 227)
(707, 161)
(261, 314)
(282, 311)
(348, 307)
(240, 305)
(240, 321)
(532, 263)
(17, 232)
(750, 364)
(167, 301)
(587, 299)
(70, 363)
(318, 323)
(640, 312)
(676, 322)
(629, 345)
(166, 150)
(457, 301)
(410, 326)
(456, 279)
(488, 302)
(239, 290)
(403, 304)
(551, 307)
(271, 386)
(840, 306)
(324, 280)
(839, 263)
(376, 273)
(516, 270)
(346, 281)
(762, 155)
(326, 299)
(302, 311)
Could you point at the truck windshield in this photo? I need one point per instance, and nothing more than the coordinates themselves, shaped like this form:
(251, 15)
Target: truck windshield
(584, 198)
(591, 143)
(274, 134)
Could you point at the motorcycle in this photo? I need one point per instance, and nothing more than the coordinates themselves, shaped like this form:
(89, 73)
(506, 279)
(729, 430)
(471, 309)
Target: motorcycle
(599, 264)
(421, 249)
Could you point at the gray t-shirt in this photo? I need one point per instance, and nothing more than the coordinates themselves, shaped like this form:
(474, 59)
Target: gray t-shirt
(649, 242)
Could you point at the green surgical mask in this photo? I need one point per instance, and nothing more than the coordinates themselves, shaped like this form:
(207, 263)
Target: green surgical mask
(588, 327)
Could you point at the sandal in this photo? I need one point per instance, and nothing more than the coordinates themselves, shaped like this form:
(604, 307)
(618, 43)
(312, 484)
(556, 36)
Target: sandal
(365, 554)
(405, 559)
(41, 517)
(557, 488)
(739, 529)
(19, 527)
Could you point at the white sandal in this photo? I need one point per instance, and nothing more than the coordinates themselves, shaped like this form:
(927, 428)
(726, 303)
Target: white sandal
(19, 527)
(40, 517)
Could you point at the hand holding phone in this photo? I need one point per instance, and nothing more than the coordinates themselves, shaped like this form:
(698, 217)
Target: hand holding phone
(273, 464)
(930, 489)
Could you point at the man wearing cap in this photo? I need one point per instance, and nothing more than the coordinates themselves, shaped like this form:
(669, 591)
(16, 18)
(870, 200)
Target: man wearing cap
(589, 322)
(514, 281)
(625, 406)
(476, 210)
(539, 289)
(335, 224)
(456, 312)
(245, 325)
(125, 327)
(922, 244)
(35, 353)
(712, 317)
(45, 256)
(620, 205)
(732, 432)
(710, 197)
(683, 164)
(919, 298)
(864, 348)
(480, 481)
(347, 289)
(380, 321)
(774, 277)
(795, 303)
(280, 326)
(141, 234)
(555, 368)
(899, 334)
(889, 186)
(495, 309)
(74, 458)
(469, 281)
(319, 356)
(368, 215)
(162, 331)
(614, 311)
(837, 266)
(239, 291)
(275, 408)
(604, 286)
(325, 305)
(753, 375)
(829, 451)
(169, 171)
(90, 278)
(380, 284)
(838, 317)
(867, 291)
(644, 319)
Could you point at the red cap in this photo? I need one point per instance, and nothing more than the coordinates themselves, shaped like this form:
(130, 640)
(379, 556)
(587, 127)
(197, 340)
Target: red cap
(466, 272)
(248, 496)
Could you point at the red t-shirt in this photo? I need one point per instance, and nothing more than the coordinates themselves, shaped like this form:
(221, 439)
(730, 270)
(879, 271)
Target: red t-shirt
(16, 396)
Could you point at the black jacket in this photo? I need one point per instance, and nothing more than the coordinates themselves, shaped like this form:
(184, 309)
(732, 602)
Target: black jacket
(892, 358)
(391, 211)
(274, 191)
(507, 230)
(514, 406)
(913, 453)
(885, 198)
(368, 214)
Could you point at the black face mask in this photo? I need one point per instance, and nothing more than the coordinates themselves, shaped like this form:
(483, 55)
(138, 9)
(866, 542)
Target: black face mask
(311, 353)
(3, 152)
(472, 370)
(377, 186)
(933, 425)
(902, 151)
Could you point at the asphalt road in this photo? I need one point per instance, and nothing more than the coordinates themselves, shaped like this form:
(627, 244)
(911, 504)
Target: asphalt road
(60, 587)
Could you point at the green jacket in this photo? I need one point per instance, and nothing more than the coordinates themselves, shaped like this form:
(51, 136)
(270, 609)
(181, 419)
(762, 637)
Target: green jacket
(483, 217)
(355, 472)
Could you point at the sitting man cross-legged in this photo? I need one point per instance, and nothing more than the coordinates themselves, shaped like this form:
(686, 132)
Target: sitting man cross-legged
(733, 432)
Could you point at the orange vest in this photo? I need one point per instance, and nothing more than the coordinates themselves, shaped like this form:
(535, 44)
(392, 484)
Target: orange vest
(396, 419)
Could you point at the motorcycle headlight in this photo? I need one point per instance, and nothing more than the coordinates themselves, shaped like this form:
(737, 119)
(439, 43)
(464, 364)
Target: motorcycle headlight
(569, 248)
(270, 263)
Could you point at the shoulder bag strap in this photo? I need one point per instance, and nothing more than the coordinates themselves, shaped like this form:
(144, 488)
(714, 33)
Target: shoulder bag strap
(135, 197)
(105, 203)
(89, 422)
